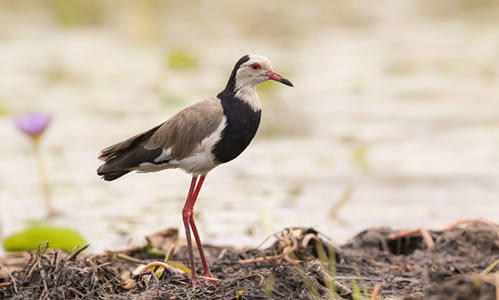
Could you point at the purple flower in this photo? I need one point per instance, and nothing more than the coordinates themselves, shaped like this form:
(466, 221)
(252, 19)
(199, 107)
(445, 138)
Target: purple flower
(33, 124)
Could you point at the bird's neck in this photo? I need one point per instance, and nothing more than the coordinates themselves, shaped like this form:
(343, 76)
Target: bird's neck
(247, 93)
(243, 91)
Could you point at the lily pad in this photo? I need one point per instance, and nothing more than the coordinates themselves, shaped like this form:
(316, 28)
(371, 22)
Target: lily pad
(60, 238)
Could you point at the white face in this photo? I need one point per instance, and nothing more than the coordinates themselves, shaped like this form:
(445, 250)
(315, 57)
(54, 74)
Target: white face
(253, 71)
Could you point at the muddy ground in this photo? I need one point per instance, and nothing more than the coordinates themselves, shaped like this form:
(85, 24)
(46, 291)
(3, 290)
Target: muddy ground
(300, 264)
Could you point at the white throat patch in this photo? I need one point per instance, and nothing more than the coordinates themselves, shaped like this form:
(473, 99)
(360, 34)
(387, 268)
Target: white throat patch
(247, 93)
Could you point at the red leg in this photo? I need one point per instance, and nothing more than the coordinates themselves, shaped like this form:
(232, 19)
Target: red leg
(206, 269)
(186, 216)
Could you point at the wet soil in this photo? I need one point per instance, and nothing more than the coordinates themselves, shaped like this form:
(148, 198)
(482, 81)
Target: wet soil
(300, 264)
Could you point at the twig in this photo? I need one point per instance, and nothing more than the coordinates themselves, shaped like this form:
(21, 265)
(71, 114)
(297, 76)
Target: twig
(490, 268)
(170, 252)
(307, 238)
(102, 286)
(285, 253)
(161, 264)
(497, 285)
(129, 284)
(43, 295)
(262, 279)
(104, 264)
(402, 234)
(77, 252)
(267, 238)
(208, 278)
(260, 259)
(322, 234)
(375, 292)
(428, 240)
(357, 278)
(11, 278)
(289, 250)
(42, 275)
(31, 270)
(76, 292)
(425, 234)
(45, 245)
(467, 221)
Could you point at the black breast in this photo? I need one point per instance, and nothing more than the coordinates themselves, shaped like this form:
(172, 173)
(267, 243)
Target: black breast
(242, 124)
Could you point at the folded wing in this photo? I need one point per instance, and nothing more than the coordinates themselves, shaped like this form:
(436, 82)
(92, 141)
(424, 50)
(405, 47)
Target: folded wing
(174, 139)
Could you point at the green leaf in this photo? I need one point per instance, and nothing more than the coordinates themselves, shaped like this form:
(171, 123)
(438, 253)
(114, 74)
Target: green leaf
(61, 238)
(155, 251)
(239, 294)
(179, 265)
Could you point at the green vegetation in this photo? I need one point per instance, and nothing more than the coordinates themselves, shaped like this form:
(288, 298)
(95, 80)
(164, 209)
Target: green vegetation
(359, 157)
(58, 237)
(55, 74)
(75, 12)
(295, 191)
(3, 109)
(181, 60)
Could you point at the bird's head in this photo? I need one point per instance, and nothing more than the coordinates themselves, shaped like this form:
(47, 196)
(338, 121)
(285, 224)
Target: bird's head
(257, 69)
(252, 70)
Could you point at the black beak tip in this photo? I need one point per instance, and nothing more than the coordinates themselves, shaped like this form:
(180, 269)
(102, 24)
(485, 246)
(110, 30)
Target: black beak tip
(286, 82)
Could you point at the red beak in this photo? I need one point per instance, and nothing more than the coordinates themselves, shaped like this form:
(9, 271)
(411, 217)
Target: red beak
(277, 77)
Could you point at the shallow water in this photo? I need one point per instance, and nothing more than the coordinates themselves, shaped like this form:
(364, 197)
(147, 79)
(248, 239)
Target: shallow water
(402, 111)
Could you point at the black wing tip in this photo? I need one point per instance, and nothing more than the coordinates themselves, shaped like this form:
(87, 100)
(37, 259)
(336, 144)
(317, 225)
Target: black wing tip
(109, 175)
(112, 175)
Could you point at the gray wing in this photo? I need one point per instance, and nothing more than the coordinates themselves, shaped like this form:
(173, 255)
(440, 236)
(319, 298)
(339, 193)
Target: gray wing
(180, 134)
(185, 130)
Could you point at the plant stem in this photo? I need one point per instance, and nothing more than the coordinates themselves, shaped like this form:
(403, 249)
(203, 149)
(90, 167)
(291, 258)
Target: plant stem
(44, 183)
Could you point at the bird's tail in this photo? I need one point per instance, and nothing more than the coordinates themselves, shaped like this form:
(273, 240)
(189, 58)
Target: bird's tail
(114, 167)
(110, 176)
(121, 158)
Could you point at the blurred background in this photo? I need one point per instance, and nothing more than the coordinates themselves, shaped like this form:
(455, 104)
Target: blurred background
(393, 121)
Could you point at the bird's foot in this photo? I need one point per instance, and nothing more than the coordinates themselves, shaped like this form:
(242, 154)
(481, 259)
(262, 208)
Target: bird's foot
(195, 282)
(206, 275)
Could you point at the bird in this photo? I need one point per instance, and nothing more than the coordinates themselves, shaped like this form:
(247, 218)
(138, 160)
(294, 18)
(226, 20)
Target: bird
(197, 139)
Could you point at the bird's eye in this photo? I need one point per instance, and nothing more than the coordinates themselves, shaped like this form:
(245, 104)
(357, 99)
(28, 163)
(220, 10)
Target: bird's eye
(256, 66)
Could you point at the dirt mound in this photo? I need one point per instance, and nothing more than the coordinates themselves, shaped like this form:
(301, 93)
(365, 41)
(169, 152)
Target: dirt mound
(301, 264)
